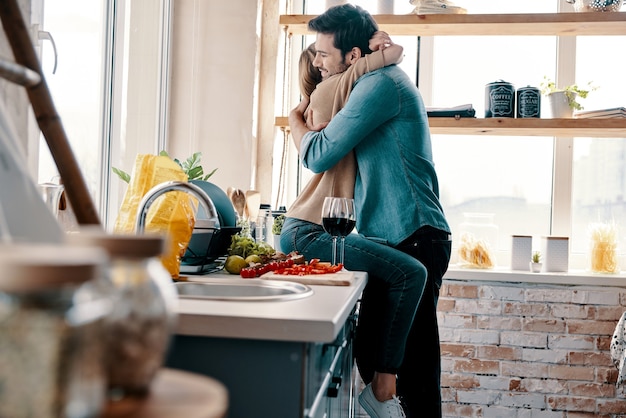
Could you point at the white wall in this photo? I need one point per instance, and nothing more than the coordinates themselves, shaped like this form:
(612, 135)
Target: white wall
(212, 87)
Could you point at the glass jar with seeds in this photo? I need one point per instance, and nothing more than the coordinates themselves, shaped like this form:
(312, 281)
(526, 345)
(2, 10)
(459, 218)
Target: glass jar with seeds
(141, 323)
(50, 328)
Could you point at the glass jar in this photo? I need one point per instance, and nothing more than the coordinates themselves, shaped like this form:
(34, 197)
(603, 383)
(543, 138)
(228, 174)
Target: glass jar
(51, 326)
(143, 317)
(603, 252)
(479, 240)
(263, 232)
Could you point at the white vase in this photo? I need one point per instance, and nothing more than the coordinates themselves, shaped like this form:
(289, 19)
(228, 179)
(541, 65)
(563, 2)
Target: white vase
(558, 105)
(535, 267)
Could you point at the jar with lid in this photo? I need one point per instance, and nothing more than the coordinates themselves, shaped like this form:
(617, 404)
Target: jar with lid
(479, 240)
(499, 100)
(140, 326)
(528, 102)
(51, 317)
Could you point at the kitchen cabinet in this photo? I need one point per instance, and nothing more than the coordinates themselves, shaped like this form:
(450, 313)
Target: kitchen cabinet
(557, 24)
(276, 358)
(268, 378)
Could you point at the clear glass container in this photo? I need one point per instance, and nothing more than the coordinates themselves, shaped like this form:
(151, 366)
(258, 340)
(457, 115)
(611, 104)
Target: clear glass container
(603, 248)
(51, 318)
(479, 240)
(143, 317)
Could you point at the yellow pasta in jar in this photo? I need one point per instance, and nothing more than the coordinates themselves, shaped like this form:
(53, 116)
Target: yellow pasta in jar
(475, 252)
(604, 248)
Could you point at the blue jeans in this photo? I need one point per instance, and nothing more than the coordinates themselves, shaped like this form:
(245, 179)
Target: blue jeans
(399, 280)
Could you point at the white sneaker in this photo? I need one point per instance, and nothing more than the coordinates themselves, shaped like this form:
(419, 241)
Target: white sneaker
(377, 409)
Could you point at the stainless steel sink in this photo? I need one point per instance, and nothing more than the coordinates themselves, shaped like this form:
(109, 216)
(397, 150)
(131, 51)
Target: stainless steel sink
(243, 290)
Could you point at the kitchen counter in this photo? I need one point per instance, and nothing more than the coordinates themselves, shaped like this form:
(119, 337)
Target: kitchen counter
(289, 358)
(317, 318)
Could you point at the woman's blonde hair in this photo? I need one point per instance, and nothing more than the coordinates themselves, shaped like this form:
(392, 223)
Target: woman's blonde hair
(310, 76)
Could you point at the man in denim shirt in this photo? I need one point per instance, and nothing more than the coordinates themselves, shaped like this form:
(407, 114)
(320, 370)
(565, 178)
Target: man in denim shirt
(396, 198)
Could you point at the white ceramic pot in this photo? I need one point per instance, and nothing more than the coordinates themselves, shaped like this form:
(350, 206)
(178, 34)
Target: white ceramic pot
(558, 105)
(535, 267)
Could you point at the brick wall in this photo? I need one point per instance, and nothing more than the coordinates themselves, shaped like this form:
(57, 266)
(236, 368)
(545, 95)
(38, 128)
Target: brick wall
(529, 350)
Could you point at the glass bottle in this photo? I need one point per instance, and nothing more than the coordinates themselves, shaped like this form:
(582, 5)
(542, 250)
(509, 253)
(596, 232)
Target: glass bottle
(143, 317)
(263, 233)
(51, 194)
(51, 319)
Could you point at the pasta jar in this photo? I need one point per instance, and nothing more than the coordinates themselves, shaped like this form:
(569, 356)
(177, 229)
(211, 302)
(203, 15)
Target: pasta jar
(604, 238)
(478, 240)
(141, 323)
(51, 316)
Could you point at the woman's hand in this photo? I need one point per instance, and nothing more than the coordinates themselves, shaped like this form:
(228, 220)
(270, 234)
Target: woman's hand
(380, 40)
(309, 122)
(392, 53)
(298, 113)
(301, 118)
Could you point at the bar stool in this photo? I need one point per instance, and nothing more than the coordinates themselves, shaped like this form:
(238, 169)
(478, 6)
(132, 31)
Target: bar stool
(175, 394)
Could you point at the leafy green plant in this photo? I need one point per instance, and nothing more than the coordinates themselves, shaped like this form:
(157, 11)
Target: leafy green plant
(572, 92)
(536, 257)
(277, 227)
(191, 166)
(245, 246)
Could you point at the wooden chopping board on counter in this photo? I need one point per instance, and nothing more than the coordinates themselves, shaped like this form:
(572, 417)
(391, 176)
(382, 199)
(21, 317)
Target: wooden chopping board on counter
(342, 278)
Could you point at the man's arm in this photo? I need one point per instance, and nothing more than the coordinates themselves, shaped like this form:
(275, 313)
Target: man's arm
(373, 101)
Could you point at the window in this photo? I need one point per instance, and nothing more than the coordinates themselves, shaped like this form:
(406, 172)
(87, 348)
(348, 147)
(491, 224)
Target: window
(599, 164)
(111, 109)
(74, 72)
(535, 185)
(503, 182)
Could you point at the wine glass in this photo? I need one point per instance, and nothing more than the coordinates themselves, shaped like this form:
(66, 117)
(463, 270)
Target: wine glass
(338, 219)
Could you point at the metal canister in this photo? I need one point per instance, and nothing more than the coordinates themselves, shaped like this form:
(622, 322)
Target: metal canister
(528, 102)
(499, 100)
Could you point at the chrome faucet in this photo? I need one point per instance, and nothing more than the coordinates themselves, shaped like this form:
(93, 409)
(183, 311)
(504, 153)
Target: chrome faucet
(160, 189)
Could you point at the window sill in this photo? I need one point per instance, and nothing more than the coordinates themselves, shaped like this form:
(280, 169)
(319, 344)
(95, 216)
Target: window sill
(574, 277)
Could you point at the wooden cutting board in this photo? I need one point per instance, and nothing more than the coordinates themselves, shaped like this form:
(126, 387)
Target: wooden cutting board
(333, 279)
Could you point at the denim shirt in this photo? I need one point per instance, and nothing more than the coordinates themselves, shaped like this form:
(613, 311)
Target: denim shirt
(385, 122)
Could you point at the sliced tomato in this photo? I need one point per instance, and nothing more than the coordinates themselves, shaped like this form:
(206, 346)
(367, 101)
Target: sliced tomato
(314, 267)
(248, 273)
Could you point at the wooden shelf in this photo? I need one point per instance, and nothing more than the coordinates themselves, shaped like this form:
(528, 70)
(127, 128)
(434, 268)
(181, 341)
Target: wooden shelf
(545, 24)
(610, 128)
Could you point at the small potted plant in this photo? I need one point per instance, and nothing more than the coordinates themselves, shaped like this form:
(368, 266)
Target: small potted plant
(563, 101)
(535, 262)
(277, 228)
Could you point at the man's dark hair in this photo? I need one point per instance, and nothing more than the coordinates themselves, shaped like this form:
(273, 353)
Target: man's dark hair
(351, 25)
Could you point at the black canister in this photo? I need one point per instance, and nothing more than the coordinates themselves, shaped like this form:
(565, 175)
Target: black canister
(499, 100)
(528, 102)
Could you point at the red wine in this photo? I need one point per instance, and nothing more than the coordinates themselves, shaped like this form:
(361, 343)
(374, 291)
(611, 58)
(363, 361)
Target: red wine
(338, 227)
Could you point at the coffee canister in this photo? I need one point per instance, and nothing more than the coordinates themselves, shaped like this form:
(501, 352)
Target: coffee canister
(499, 100)
(528, 102)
